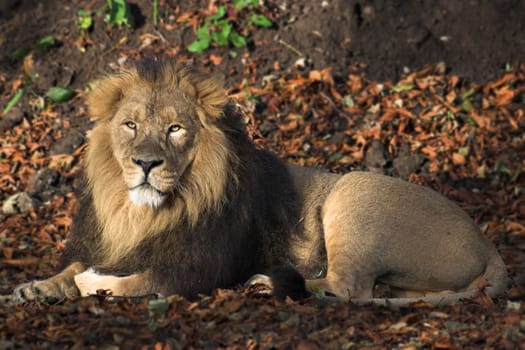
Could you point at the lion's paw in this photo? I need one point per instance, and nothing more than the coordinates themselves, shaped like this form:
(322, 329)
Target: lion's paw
(282, 282)
(260, 279)
(47, 291)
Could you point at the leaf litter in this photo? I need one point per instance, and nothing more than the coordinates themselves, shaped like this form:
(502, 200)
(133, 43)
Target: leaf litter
(471, 142)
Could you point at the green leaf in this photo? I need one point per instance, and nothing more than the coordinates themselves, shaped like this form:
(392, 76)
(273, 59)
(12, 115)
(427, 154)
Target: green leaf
(348, 101)
(221, 11)
(203, 33)
(84, 21)
(18, 54)
(466, 105)
(243, 3)
(155, 12)
(14, 100)
(467, 94)
(500, 167)
(119, 13)
(158, 308)
(471, 121)
(199, 45)
(221, 38)
(464, 151)
(260, 20)
(46, 42)
(237, 40)
(334, 157)
(59, 94)
(83, 13)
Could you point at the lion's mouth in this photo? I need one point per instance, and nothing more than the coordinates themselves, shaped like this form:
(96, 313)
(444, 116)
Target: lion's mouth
(146, 194)
(149, 187)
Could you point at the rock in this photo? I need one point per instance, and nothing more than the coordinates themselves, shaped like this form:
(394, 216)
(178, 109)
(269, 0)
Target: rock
(44, 184)
(338, 138)
(407, 163)
(44, 180)
(17, 203)
(45, 73)
(417, 35)
(72, 140)
(266, 128)
(11, 119)
(375, 156)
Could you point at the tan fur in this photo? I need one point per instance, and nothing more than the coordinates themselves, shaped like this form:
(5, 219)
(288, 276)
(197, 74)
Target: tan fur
(383, 230)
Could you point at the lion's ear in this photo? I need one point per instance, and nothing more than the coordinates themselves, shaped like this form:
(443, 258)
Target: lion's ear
(103, 100)
(212, 96)
(210, 93)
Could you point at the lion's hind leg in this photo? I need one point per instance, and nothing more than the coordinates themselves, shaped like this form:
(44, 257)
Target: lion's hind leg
(54, 289)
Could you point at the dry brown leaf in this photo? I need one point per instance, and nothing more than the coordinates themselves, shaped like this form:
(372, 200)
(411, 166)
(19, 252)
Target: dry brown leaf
(458, 159)
(31, 260)
(215, 59)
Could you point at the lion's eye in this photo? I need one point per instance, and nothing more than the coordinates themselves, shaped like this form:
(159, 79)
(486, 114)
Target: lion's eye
(174, 128)
(130, 125)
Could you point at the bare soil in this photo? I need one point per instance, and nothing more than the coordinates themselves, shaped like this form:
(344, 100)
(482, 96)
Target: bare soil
(475, 39)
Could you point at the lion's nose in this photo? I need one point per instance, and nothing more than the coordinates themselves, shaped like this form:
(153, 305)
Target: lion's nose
(147, 165)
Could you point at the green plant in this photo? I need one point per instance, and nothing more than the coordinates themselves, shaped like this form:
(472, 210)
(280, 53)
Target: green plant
(119, 13)
(466, 100)
(155, 12)
(219, 29)
(260, 20)
(14, 100)
(243, 3)
(157, 310)
(59, 94)
(84, 20)
(45, 43)
(18, 54)
(55, 93)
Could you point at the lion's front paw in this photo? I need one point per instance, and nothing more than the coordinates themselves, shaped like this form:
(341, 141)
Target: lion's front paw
(47, 291)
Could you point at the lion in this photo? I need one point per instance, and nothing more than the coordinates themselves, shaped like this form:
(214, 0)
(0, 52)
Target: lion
(178, 200)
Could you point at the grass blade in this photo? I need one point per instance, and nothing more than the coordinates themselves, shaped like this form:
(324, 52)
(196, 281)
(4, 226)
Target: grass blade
(13, 101)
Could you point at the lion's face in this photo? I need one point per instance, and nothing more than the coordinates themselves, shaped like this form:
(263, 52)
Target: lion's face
(158, 154)
(153, 137)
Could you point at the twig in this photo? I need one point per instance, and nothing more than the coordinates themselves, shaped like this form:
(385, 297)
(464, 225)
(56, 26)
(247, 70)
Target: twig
(162, 37)
(290, 47)
(332, 103)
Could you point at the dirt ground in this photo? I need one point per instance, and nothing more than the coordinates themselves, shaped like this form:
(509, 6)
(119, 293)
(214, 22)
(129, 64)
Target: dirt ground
(344, 67)
(475, 39)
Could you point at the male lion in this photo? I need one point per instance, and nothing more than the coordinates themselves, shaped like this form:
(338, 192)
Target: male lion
(178, 200)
